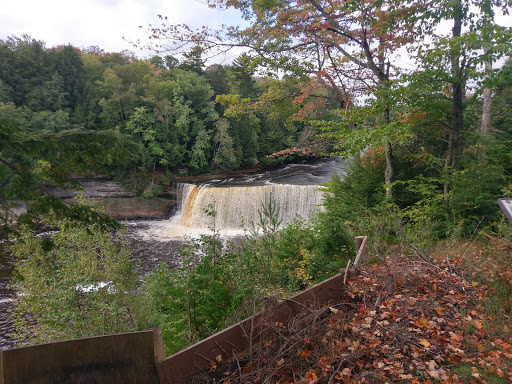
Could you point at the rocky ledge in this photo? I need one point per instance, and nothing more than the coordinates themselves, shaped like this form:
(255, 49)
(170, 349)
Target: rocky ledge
(117, 201)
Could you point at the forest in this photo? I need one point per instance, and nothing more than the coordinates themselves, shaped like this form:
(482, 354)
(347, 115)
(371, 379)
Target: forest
(421, 112)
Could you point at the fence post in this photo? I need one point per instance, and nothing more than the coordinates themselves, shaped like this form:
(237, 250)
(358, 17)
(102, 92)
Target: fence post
(359, 241)
(361, 250)
(2, 380)
(158, 344)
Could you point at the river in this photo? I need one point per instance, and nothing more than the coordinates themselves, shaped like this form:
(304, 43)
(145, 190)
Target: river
(236, 202)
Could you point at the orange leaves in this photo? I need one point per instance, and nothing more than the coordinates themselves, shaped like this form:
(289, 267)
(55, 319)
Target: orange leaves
(439, 311)
(324, 365)
(455, 338)
(422, 322)
(213, 364)
(311, 377)
(415, 332)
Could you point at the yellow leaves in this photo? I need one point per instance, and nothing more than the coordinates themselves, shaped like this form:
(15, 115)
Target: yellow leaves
(439, 311)
(424, 342)
(237, 108)
(42, 167)
(422, 323)
(311, 377)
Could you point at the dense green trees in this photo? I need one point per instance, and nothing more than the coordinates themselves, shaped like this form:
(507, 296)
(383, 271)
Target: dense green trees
(167, 107)
(38, 151)
(356, 48)
(319, 78)
(65, 110)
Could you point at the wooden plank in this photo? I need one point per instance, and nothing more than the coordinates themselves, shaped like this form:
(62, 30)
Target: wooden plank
(122, 358)
(182, 365)
(2, 381)
(362, 249)
(158, 345)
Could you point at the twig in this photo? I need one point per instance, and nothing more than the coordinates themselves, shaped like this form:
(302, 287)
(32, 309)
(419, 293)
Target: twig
(238, 364)
(222, 349)
(346, 272)
(302, 305)
(377, 302)
(252, 330)
(336, 371)
(233, 345)
(204, 357)
(416, 250)
(448, 263)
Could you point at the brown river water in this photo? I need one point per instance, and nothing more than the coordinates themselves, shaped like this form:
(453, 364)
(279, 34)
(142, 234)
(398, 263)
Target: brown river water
(236, 202)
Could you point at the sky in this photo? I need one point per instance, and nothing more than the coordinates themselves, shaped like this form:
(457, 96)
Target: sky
(104, 23)
(101, 23)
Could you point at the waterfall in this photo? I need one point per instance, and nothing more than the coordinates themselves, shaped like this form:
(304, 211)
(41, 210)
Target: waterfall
(237, 207)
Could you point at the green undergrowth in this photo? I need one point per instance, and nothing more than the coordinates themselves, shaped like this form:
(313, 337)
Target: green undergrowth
(232, 281)
(468, 373)
(220, 283)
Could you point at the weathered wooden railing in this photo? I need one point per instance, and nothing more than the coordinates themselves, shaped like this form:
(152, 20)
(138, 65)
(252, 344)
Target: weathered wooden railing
(123, 358)
(182, 365)
(138, 357)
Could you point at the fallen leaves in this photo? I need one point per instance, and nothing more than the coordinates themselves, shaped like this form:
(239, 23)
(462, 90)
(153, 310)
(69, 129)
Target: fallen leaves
(383, 331)
(311, 377)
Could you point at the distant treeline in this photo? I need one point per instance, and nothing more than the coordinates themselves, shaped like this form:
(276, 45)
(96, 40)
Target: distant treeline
(167, 109)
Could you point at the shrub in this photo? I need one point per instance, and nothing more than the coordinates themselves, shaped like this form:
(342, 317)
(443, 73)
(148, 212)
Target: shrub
(76, 283)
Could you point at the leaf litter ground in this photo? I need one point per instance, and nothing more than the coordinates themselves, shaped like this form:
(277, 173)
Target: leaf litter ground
(402, 320)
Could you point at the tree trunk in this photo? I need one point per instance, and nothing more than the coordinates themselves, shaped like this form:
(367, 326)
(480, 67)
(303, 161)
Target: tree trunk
(389, 172)
(454, 148)
(486, 108)
(447, 165)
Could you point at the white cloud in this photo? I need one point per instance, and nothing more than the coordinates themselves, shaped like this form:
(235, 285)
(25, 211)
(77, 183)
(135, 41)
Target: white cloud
(98, 22)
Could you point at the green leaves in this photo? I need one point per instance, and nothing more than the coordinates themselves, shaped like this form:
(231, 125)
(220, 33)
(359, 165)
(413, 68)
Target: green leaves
(35, 158)
(79, 283)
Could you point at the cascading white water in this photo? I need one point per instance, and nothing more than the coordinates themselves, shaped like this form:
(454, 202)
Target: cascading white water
(237, 207)
(237, 201)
